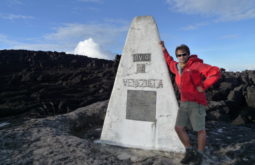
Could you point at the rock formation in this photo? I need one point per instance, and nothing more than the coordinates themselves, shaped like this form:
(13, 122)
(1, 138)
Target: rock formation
(52, 107)
(50, 83)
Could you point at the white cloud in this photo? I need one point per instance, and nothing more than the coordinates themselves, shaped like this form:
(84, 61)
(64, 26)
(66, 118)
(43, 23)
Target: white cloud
(39, 46)
(15, 2)
(4, 39)
(65, 38)
(14, 16)
(195, 26)
(5, 42)
(230, 36)
(102, 33)
(91, 49)
(221, 10)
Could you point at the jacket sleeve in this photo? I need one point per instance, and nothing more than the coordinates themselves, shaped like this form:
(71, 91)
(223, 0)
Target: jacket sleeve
(212, 75)
(170, 61)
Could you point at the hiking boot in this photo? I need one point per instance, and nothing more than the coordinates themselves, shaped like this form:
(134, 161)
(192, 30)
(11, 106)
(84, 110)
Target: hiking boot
(198, 159)
(190, 156)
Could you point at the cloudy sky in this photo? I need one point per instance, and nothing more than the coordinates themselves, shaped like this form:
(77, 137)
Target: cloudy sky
(220, 31)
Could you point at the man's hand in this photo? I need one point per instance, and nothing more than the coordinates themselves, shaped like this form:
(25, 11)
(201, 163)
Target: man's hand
(162, 44)
(200, 89)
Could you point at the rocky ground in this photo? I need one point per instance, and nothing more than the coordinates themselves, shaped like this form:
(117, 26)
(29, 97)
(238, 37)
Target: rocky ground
(70, 139)
(52, 107)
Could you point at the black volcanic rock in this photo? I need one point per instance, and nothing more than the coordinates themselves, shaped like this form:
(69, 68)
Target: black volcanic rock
(70, 95)
(250, 98)
(235, 91)
(49, 83)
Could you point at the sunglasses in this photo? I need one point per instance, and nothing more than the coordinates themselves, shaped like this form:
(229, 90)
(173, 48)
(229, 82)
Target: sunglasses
(181, 55)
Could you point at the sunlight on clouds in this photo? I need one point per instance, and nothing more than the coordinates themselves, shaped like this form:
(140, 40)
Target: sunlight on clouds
(66, 37)
(227, 10)
(105, 35)
(91, 49)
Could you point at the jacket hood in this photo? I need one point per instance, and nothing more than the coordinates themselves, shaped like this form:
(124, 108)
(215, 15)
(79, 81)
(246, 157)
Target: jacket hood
(193, 58)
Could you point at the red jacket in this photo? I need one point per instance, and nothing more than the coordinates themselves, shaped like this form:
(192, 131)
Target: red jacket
(194, 74)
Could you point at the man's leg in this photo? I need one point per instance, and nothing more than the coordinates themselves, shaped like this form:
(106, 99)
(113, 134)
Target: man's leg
(182, 121)
(183, 136)
(197, 119)
(201, 140)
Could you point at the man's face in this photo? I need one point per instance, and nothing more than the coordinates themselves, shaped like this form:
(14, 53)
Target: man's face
(182, 56)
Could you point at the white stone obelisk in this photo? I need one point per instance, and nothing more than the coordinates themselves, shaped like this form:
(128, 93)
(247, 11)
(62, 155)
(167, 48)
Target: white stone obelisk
(142, 109)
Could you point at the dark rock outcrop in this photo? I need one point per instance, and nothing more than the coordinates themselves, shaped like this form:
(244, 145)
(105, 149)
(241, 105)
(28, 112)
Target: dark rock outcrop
(235, 93)
(250, 97)
(67, 93)
(50, 83)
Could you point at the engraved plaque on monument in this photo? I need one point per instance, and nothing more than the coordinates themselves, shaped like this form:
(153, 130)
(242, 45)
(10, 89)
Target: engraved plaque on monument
(141, 105)
(142, 109)
(140, 68)
(141, 57)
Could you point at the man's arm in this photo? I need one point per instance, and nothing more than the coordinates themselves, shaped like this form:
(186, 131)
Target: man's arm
(169, 60)
(212, 75)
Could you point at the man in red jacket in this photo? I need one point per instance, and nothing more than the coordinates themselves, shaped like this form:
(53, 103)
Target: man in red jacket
(192, 77)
